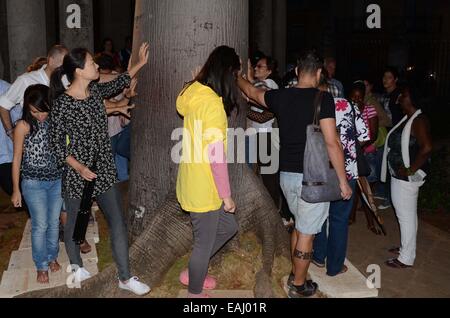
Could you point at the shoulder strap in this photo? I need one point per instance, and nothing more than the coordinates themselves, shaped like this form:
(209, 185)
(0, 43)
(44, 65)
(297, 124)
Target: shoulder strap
(317, 108)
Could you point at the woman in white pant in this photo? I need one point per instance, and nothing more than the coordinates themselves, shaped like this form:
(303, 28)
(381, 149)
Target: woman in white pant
(407, 156)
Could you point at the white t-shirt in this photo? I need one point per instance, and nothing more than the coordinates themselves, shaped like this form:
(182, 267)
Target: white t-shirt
(267, 84)
(14, 95)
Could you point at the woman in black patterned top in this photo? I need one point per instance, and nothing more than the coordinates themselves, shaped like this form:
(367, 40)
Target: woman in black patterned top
(79, 135)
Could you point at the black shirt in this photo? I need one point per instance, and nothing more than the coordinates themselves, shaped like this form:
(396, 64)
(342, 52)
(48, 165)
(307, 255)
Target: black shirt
(294, 109)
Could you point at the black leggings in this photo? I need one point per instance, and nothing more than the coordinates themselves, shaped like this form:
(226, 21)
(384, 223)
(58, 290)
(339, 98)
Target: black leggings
(111, 206)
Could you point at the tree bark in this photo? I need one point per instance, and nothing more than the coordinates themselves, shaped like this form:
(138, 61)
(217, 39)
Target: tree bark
(26, 34)
(182, 35)
(161, 233)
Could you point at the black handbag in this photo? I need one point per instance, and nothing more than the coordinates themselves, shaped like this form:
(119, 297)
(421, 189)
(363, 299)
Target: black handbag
(320, 181)
(85, 210)
(363, 165)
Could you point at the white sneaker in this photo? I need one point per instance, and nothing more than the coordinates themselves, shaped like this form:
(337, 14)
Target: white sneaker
(135, 286)
(81, 275)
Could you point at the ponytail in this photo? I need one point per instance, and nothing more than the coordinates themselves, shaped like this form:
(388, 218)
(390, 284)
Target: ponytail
(75, 59)
(56, 85)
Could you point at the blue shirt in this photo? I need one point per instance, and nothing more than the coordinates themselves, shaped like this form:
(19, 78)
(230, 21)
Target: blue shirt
(6, 145)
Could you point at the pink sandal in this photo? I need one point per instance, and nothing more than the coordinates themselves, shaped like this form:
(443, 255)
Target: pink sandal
(209, 284)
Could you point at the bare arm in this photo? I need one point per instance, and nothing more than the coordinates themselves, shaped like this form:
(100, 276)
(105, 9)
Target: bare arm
(421, 130)
(250, 72)
(373, 127)
(84, 171)
(20, 132)
(6, 121)
(336, 154)
(143, 60)
(253, 93)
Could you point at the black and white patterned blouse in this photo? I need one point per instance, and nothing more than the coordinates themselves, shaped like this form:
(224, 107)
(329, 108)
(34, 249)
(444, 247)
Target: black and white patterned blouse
(79, 128)
(39, 161)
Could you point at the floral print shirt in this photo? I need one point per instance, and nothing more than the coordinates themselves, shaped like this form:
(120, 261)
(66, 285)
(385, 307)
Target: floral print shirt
(79, 128)
(346, 121)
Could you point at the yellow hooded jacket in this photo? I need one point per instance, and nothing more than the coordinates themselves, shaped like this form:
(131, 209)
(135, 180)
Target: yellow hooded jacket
(205, 123)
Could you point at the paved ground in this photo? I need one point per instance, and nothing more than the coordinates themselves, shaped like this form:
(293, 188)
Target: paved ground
(20, 277)
(430, 276)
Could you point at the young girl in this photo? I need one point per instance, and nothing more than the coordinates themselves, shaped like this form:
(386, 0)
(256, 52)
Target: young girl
(203, 187)
(35, 163)
(79, 113)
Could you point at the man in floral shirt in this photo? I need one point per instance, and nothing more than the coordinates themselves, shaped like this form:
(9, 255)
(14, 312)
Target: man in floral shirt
(332, 250)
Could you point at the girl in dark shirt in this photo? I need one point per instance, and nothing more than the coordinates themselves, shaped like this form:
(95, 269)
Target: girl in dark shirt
(79, 135)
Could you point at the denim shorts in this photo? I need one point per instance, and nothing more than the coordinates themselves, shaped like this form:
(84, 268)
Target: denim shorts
(309, 217)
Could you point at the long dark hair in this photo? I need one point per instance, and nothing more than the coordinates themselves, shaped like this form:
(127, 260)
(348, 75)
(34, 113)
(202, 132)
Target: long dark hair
(75, 59)
(220, 73)
(36, 96)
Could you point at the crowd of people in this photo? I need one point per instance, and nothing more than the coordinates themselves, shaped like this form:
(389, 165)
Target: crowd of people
(60, 141)
(66, 122)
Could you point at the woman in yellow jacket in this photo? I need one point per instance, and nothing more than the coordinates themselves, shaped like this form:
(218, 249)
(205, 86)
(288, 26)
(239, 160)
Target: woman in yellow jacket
(203, 187)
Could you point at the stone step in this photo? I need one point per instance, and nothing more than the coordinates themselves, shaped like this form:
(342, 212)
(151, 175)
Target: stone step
(92, 234)
(17, 282)
(352, 284)
(223, 294)
(22, 259)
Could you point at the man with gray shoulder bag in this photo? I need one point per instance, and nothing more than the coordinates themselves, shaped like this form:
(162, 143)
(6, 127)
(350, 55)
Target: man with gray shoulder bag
(295, 109)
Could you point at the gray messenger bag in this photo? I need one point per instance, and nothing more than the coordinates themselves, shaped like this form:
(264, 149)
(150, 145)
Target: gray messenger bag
(320, 181)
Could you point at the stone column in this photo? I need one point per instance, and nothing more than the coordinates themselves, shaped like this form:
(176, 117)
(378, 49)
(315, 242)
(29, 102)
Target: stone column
(26, 33)
(280, 33)
(262, 28)
(76, 23)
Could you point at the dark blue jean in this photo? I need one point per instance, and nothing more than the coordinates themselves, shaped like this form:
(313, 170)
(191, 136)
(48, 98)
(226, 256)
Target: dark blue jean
(121, 162)
(124, 142)
(333, 247)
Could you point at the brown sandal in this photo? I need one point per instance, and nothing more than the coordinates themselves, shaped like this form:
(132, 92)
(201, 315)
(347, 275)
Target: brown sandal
(344, 270)
(395, 263)
(85, 248)
(42, 277)
(54, 266)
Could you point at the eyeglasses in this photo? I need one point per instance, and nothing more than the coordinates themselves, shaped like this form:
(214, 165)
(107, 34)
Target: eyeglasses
(260, 66)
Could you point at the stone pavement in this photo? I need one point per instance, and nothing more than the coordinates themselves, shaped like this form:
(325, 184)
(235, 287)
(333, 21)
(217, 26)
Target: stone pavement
(429, 278)
(20, 276)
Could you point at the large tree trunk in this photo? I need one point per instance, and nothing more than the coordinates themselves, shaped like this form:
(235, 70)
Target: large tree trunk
(161, 233)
